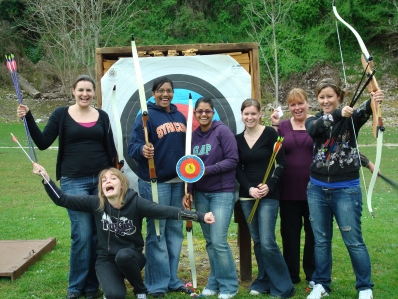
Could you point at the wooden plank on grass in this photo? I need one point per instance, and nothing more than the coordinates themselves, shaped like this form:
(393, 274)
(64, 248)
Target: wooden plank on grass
(16, 256)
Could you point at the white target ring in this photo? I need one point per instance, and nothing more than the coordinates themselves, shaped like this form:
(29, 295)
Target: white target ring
(218, 77)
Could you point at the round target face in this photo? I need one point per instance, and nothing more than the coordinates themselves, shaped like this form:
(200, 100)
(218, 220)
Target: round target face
(190, 168)
(218, 77)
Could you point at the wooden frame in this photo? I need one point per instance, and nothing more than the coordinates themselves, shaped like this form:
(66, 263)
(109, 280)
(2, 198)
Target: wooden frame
(247, 55)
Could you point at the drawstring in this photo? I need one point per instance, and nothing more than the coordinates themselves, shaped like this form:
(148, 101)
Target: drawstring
(109, 231)
(109, 226)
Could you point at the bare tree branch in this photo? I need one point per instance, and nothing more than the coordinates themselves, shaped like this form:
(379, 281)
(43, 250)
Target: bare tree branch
(69, 31)
(264, 16)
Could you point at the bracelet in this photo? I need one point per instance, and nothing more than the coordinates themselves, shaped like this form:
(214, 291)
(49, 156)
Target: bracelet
(275, 125)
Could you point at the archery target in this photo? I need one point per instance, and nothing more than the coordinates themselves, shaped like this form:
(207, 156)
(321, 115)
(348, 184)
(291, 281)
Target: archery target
(218, 77)
(190, 168)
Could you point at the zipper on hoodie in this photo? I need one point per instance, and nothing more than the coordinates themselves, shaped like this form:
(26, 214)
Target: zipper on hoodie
(330, 136)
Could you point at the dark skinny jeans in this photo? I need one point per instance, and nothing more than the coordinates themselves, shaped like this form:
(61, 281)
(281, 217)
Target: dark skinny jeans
(111, 271)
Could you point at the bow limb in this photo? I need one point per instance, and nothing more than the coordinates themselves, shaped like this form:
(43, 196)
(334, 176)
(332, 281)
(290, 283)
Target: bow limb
(145, 117)
(119, 161)
(378, 127)
(367, 63)
(188, 226)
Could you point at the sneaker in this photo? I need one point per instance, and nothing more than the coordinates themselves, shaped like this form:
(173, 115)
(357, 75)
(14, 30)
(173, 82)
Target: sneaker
(226, 296)
(366, 294)
(208, 292)
(254, 292)
(73, 295)
(311, 284)
(141, 296)
(317, 292)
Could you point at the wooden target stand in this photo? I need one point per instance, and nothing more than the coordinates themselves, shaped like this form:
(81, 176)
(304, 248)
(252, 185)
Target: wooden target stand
(17, 256)
(246, 54)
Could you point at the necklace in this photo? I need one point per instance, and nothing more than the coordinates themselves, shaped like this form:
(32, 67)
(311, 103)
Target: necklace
(297, 124)
(253, 137)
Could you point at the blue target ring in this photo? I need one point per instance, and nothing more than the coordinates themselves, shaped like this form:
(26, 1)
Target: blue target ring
(190, 168)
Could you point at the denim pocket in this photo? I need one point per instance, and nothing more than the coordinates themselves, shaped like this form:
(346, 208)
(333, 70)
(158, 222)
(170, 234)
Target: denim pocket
(352, 190)
(65, 180)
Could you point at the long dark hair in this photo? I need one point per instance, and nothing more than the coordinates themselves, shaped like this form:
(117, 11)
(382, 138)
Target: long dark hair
(206, 101)
(159, 82)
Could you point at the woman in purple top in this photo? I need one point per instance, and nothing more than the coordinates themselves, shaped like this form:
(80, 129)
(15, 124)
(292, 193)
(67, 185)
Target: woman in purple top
(293, 205)
(215, 144)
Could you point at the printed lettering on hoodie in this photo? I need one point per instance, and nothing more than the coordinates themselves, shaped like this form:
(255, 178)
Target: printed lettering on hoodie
(123, 226)
(201, 150)
(170, 127)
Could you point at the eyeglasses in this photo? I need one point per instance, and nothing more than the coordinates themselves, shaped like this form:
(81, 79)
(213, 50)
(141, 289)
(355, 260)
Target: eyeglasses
(200, 112)
(164, 90)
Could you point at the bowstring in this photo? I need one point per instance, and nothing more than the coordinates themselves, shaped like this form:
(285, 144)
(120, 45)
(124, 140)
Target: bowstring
(355, 97)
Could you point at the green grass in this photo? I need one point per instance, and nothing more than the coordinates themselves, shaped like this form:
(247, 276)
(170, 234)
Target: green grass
(27, 214)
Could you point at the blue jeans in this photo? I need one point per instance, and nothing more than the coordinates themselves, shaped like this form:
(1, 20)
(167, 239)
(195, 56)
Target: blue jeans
(82, 277)
(345, 204)
(273, 274)
(223, 276)
(162, 257)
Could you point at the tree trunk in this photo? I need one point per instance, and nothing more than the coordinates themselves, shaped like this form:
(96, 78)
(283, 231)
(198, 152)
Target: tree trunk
(25, 85)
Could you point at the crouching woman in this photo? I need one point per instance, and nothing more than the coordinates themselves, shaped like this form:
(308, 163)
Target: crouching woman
(118, 213)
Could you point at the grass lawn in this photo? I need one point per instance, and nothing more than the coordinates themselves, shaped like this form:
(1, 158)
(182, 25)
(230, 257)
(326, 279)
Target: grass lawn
(27, 214)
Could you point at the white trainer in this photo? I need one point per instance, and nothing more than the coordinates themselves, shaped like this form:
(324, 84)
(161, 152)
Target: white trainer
(141, 296)
(226, 296)
(317, 292)
(366, 294)
(254, 292)
(208, 292)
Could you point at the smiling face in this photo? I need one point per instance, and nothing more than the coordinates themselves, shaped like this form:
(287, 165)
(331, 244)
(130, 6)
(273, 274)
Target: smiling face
(204, 115)
(111, 185)
(299, 109)
(328, 99)
(251, 116)
(83, 93)
(164, 95)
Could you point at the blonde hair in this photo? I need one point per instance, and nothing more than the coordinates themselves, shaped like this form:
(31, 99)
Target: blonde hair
(296, 93)
(124, 184)
(329, 82)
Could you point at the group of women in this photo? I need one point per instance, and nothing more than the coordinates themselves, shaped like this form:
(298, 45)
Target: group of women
(319, 161)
